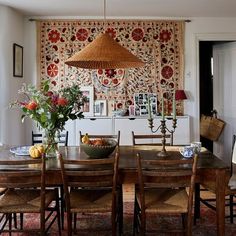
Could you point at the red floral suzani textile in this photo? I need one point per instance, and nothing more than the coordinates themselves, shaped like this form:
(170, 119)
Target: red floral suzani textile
(158, 43)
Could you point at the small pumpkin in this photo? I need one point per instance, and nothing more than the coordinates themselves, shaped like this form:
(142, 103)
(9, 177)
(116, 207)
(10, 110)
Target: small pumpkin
(36, 151)
(85, 139)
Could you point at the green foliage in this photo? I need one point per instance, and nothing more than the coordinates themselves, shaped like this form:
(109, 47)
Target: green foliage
(51, 109)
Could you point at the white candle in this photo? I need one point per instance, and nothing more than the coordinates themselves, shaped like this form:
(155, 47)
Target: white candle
(149, 109)
(174, 106)
(162, 109)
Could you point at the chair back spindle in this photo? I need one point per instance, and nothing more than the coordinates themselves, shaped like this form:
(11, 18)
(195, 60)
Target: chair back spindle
(151, 139)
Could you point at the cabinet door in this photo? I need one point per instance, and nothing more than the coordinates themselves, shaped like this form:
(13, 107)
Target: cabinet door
(71, 127)
(139, 125)
(127, 125)
(93, 126)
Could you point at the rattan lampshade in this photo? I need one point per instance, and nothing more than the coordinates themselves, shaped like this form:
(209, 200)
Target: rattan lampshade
(104, 53)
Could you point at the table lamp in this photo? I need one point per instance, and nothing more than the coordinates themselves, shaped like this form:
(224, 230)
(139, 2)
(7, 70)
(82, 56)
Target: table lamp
(180, 95)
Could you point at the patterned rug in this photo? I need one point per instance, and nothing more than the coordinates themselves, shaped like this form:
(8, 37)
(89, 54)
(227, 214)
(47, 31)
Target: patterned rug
(206, 225)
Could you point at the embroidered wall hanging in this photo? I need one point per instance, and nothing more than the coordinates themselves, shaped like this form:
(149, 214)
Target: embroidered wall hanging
(158, 43)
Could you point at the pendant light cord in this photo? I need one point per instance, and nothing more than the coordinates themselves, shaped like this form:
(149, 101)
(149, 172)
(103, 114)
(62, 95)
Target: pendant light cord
(104, 15)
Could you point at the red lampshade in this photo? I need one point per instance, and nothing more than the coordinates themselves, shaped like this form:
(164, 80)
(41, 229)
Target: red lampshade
(180, 95)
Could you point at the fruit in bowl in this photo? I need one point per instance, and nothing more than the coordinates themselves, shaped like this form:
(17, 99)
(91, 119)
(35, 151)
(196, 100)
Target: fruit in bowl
(99, 147)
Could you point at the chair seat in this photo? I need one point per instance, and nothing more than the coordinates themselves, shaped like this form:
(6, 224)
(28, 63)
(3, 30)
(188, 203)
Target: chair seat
(166, 201)
(90, 200)
(211, 187)
(24, 200)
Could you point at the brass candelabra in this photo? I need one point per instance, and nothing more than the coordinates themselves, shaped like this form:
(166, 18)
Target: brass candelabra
(162, 127)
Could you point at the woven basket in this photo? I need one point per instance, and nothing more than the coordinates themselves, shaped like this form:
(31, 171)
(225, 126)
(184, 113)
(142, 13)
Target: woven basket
(211, 127)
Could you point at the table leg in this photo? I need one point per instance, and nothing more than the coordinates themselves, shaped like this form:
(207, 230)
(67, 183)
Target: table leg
(220, 201)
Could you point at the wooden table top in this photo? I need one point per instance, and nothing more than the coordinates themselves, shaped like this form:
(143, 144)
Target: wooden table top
(127, 156)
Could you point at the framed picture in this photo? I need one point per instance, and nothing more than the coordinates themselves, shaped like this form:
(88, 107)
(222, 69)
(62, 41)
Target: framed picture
(88, 92)
(141, 103)
(17, 60)
(100, 108)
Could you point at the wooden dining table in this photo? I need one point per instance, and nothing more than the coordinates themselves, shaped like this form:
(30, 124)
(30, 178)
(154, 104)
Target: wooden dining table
(210, 171)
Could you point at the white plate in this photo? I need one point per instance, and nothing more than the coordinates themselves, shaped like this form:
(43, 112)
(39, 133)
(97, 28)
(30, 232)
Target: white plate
(20, 151)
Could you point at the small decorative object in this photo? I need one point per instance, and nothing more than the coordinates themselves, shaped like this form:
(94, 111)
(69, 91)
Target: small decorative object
(131, 110)
(187, 151)
(36, 151)
(17, 60)
(119, 112)
(142, 107)
(180, 95)
(197, 147)
(100, 108)
(50, 140)
(88, 92)
(99, 148)
(51, 109)
(162, 126)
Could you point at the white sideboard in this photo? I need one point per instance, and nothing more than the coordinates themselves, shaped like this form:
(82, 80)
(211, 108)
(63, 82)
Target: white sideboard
(138, 124)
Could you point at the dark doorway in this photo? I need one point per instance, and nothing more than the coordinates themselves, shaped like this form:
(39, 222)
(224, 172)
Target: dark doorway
(206, 84)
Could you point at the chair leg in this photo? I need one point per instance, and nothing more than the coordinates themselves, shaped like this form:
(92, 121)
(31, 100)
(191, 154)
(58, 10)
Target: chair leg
(197, 203)
(120, 210)
(10, 224)
(69, 224)
(136, 223)
(75, 220)
(21, 220)
(58, 215)
(15, 219)
(183, 221)
(135, 218)
(231, 208)
(62, 206)
(113, 224)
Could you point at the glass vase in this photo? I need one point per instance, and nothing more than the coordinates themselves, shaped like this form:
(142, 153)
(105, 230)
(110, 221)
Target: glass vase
(50, 141)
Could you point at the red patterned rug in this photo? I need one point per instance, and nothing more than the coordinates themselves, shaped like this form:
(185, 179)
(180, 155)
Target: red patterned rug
(205, 226)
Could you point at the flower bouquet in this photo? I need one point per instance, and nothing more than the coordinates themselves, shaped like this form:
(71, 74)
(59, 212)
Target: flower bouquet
(51, 109)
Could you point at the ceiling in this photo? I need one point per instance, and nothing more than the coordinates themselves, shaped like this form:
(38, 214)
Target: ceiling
(125, 8)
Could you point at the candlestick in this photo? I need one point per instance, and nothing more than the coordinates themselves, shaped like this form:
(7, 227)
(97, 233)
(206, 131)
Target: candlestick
(174, 106)
(162, 109)
(163, 129)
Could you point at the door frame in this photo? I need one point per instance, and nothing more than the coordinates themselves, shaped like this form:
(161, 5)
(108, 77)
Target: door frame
(206, 37)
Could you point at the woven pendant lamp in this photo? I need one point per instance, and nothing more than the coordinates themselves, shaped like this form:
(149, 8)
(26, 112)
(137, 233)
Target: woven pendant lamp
(104, 53)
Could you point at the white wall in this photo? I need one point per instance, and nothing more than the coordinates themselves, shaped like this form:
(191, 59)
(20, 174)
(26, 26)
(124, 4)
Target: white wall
(12, 31)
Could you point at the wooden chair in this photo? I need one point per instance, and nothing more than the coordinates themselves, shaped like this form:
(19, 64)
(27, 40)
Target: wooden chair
(38, 138)
(113, 136)
(145, 139)
(26, 193)
(63, 141)
(208, 198)
(91, 188)
(158, 192)
(4, 217)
